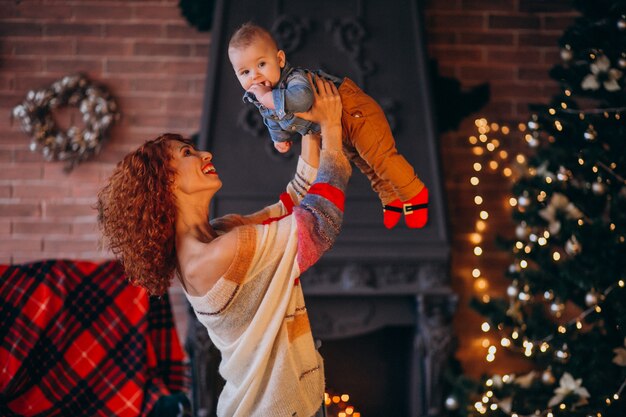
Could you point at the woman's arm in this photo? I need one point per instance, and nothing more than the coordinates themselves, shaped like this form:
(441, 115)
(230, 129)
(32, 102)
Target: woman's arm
(320, 214)
(297, 188)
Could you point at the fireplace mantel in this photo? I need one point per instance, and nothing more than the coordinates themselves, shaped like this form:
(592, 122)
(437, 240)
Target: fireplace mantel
(373, 277)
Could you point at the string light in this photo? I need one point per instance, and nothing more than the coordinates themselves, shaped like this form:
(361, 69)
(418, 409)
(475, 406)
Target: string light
(483, 146)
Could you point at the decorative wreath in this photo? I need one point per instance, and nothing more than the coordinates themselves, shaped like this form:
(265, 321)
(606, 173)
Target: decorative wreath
(98, 109)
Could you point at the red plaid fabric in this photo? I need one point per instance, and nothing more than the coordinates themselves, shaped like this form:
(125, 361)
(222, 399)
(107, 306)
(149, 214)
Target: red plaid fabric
(79, 340)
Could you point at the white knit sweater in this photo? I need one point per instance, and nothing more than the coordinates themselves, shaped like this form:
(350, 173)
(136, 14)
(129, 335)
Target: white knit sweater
(256, 315)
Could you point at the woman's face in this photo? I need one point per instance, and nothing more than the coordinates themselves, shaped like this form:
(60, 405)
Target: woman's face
(194, 171)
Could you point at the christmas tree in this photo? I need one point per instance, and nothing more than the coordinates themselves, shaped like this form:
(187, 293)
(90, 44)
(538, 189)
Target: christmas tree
(565, 307)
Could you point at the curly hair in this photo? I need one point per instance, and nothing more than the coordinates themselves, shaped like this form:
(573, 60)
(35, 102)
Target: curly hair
(137, 212)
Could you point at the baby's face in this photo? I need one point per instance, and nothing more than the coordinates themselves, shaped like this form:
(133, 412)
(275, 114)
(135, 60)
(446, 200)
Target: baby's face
(258, 63)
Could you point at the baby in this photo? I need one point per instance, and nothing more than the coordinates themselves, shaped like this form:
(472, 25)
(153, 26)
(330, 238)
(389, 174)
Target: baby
(279, 90)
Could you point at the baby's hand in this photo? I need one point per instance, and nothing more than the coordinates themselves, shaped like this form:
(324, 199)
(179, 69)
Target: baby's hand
(259, 90)
(282, 147)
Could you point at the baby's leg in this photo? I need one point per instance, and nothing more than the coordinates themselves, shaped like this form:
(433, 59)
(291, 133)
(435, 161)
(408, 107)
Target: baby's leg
(368, 132)
(383, 188)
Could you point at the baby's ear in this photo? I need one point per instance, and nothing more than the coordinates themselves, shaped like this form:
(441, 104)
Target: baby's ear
(281, 58)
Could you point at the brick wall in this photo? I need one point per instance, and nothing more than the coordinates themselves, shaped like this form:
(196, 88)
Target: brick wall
(511, 44)
(151, 61)
(154, 64)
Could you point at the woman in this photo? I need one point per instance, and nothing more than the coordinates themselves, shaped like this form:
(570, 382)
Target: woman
(240, 273)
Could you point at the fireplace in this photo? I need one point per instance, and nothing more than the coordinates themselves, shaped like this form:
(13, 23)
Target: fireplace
(377, 289)
(385, 346)
(371, 369)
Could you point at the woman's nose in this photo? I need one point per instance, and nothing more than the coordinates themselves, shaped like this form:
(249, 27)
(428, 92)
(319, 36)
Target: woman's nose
(207, 156)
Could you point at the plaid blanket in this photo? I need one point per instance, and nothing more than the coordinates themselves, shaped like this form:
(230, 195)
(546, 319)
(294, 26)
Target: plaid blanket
(79, 340)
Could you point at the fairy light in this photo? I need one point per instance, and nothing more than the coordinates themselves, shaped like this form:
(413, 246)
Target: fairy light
(483, 145)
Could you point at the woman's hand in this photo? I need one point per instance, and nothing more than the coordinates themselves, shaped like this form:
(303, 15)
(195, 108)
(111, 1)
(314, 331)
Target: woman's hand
(326, 111)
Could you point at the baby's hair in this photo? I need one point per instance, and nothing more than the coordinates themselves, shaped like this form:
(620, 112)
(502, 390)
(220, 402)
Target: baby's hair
(247, 34)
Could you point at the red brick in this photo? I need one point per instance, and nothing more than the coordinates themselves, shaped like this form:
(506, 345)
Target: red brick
(487, 72)
(144, 103)
(20, 29)
(26, 155)
(19, 244)
(83, 228)
(19, 258)
(474, 5)
(134, 30)
(99, 13)
(516, 56)
(70, 209)
(28, 10)
(73, 29)
(11, 137)
(200, 49)
(513, 22)
(457, 54)
(161, 49)
(41, 228)
(499, 109)
(551, 56)
(16, 209)
(21, 64)
(457, 20)
(5, 191)
(486, 38)
(197, 66)
(86, 47)
(84, 172)
(51, 244)
(186, 103)
(42, 47)
(6, 82)
(23, 171)
(89, 190)
(528, 73)
(5, 227)
(33, 81)
(559, 23)
(545, 6)
(161, 13)
(184, 31)
(6, 155)
(10, 100)
(160, 84)
(29, 190)
(74, 65)
(130, 66)
(539, 39)
(197, 86)
(173, 122)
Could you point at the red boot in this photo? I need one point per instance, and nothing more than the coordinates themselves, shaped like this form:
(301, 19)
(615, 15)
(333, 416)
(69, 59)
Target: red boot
(392, 213)
(416, 210)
